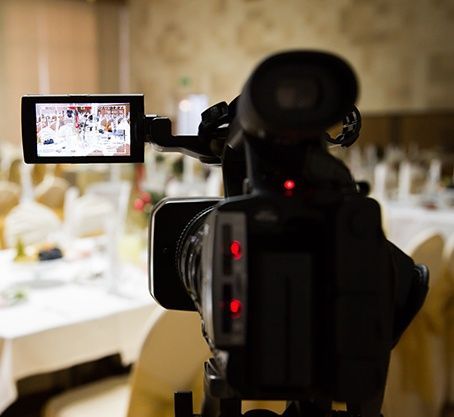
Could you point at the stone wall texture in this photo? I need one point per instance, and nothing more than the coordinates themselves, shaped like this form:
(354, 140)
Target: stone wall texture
(402, 50)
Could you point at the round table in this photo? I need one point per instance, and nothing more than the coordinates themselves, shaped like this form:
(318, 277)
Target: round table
(68, 322)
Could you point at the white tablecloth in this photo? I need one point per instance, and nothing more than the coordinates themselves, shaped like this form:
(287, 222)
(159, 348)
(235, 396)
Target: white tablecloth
(68, 324)
(403, 222)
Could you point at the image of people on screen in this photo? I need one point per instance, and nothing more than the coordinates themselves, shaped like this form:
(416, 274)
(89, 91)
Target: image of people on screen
(84, 129)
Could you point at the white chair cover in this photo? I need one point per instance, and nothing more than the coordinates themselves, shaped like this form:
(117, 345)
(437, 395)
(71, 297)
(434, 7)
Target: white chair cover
(30, 222)
(9, 196)
(87, 215)
(416, 378)
(117, 193)
(171, 359)
(449, 292)
(51, 192)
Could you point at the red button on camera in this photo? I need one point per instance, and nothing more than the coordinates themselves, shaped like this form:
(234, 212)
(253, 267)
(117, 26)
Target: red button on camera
(235, 249)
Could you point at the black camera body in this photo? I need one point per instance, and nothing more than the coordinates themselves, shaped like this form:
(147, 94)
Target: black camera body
(283, 293)
(301, 296)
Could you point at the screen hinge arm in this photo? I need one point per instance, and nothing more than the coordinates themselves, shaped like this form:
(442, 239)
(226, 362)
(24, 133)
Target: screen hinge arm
(158, 132)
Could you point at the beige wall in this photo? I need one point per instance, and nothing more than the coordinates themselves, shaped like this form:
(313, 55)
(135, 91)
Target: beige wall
(403, 50)
(56, 47)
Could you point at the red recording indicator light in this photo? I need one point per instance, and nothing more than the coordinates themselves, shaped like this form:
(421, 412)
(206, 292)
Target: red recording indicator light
(235, 308)
(235, 249)
(289, 185)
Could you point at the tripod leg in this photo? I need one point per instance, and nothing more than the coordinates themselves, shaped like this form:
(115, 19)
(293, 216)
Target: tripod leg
(183, 404)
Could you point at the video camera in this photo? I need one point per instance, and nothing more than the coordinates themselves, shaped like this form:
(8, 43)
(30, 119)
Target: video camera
(301, 296)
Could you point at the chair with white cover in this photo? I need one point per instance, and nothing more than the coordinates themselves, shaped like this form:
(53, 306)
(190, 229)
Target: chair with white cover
(51, 192)
(171, 359)
(449, 289)
(103, 206)
(9, 198)
(31, 223)
(417, 373)
(117, 192)
(14, 170)
(86, 215)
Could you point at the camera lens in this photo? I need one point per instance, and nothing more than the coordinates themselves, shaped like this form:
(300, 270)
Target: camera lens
(189, 252)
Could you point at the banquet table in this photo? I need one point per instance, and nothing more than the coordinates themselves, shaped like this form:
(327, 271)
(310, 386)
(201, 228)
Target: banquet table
(404, 221)
(418, 377)
(65, 321)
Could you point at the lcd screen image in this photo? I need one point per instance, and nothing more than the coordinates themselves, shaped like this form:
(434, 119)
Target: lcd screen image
(83, 129)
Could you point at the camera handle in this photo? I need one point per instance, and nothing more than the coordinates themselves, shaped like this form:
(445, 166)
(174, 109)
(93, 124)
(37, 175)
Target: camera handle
(158, 131)
(351, 126)
(208, 146)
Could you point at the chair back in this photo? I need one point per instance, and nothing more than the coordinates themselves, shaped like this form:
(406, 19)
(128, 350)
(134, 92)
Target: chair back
(171, 360)
(9, 196)
(448, 263)
(51, 192)
(86, 216)
(101, 209)
(427, 248)
(417, 373)
(448, 258)
(31, 223)
(38, 173)
(14, 171)
(117, 193)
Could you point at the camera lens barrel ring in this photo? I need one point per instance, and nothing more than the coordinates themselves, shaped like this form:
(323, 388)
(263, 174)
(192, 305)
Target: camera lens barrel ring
(188, 252)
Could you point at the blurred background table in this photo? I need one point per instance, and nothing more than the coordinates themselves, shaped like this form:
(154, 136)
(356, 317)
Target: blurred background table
(63, 321)
(403, 221)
